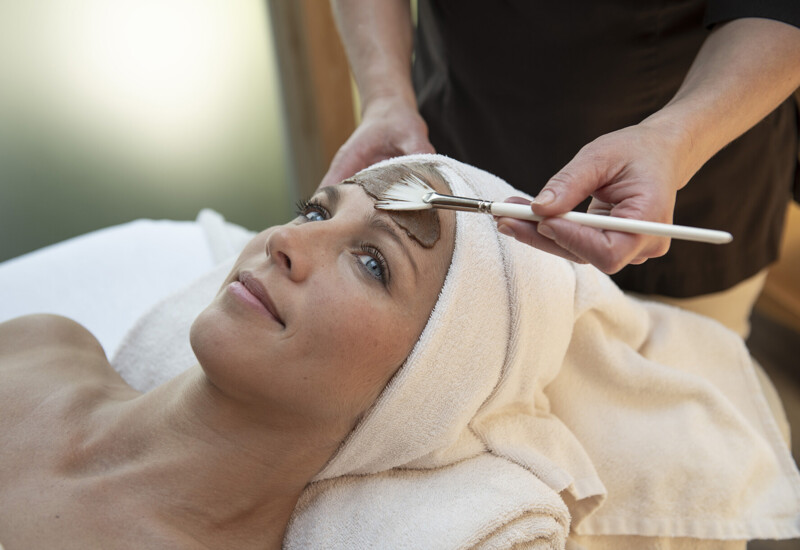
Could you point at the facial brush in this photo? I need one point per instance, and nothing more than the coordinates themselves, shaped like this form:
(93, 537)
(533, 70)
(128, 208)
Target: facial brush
(411, 193)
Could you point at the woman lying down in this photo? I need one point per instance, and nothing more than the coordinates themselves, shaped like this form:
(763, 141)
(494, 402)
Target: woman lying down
(353, 344)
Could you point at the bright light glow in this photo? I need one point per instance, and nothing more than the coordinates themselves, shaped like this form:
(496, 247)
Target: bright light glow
(112, 110)
(159, 69)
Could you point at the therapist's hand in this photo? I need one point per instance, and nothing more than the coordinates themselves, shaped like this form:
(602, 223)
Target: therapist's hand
(636, 172)
(388, 129)
(631, 173)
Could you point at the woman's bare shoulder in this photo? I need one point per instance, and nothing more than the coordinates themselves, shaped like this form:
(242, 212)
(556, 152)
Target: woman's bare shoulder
(41, 334)
(53, 346)
(43, 329)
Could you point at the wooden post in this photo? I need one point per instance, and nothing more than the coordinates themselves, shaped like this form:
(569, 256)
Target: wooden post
(315, 85)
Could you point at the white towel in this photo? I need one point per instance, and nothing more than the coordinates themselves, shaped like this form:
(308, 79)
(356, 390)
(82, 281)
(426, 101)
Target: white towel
(472, 382)
(548, 365)
(483, 503)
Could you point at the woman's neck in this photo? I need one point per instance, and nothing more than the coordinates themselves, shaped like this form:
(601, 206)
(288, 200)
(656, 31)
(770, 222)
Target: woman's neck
(210, 466)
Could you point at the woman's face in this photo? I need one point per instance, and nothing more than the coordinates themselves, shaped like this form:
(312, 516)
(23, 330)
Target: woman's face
(318, 314)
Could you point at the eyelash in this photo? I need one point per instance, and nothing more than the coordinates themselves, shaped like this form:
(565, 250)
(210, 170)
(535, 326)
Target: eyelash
(303, 207)
(370, 250)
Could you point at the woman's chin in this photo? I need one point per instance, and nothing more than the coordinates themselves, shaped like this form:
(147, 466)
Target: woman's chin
(215, 340)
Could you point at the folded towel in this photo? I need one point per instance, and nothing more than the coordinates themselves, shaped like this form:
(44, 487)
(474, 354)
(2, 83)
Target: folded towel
(647, 420)
(483, 502)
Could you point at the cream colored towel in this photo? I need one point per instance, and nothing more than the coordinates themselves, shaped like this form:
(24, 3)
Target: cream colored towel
(473, 382)
(548, 365)
(484, 503)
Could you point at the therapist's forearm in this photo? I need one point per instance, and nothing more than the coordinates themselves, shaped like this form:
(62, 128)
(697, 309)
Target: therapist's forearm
(378, 39)
(743, 71)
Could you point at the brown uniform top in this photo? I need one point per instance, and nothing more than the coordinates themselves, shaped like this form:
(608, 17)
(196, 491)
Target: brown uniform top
(518, 87)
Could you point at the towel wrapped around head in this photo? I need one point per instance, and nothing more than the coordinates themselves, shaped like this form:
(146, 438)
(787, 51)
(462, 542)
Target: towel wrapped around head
(548, 364)
(495, 338)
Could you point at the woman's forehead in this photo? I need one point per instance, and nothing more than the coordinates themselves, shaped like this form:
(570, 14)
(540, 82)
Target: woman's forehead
(423, 226)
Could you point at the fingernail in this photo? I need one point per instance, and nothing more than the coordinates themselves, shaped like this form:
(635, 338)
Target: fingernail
(545, 197)
(505, 230)
(546, 231)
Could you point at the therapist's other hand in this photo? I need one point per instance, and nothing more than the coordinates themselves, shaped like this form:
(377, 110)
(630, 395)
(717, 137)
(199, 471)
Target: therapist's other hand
(631, 173)
(388, 129)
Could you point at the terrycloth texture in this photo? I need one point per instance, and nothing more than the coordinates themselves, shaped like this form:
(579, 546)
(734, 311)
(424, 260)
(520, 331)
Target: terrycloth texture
(632, 542)
(484, 503)
(548, 365)
(473, 382)
(683, 437)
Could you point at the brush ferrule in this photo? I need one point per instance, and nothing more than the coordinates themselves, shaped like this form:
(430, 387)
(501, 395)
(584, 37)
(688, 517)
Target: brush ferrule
(449, 202)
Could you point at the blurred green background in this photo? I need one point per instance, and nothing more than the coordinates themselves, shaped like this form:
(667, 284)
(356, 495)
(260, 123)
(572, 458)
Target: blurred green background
(113, 110)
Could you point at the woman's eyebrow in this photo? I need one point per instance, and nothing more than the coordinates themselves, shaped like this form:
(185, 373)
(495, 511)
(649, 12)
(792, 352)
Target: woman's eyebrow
(376, 221)
(332, 194)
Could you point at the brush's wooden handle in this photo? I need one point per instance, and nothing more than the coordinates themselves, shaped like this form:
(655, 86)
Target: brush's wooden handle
(626, 225)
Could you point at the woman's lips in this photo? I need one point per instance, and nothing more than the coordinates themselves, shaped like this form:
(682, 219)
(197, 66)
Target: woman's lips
(251, 290)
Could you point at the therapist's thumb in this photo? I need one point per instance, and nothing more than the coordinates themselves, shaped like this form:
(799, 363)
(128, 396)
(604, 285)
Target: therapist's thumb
(569, 187)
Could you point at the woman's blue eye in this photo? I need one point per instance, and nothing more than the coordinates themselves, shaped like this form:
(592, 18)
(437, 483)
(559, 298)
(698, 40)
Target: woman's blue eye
(312, 211)
(314, 216)
(372, 265)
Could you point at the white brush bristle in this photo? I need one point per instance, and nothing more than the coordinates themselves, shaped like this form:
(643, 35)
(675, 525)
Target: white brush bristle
(407, 194)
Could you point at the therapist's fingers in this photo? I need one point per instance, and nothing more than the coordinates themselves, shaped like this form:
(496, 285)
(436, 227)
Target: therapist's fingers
(348, 160)
(527, 232)
(603, 208)
(575, 182)
(386, 131)
(609, 251)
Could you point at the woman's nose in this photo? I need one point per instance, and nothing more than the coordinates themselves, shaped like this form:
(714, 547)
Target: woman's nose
(290, 247)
